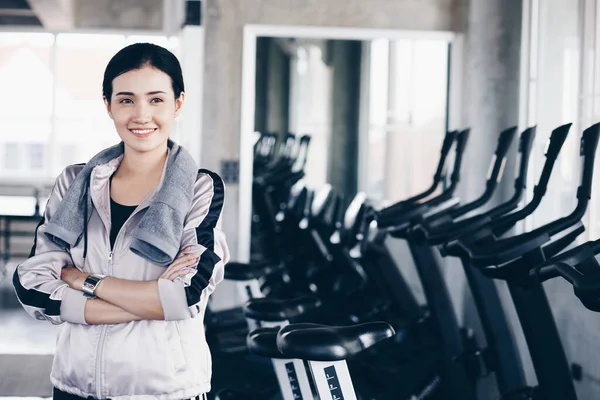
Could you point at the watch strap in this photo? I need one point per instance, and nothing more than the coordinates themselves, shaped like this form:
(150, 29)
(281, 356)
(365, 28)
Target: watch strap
(90, 284)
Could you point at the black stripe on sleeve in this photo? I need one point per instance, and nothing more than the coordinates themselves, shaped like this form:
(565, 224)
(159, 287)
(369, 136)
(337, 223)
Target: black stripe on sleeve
(32, 252)
(34, 298)
(216, 203)
(205, 237)
(199, 281)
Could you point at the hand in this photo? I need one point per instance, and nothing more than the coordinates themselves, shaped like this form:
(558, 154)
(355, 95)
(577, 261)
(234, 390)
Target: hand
(182, 265)
(73, 277)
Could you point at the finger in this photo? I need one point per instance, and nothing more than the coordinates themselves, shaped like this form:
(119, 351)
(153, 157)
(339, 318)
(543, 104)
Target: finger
(182, 259)
(182, 272)
(181, 266)
(192, 251)
(189, 262)
(181, 263)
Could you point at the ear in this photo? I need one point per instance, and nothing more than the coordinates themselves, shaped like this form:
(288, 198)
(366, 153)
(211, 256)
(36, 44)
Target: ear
(179, 104)
(107, 105)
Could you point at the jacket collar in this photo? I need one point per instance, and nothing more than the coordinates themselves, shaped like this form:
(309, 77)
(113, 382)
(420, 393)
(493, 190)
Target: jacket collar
(100, 188)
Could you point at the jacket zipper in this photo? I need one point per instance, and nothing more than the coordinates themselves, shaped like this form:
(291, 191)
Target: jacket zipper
(105, 327)
(101, 341)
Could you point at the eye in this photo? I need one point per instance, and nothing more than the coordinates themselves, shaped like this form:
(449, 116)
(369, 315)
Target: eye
(156, 100)
(125, 101)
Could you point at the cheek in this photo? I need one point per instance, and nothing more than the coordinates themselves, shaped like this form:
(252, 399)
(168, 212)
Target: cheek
(164, 116)
(120, 117)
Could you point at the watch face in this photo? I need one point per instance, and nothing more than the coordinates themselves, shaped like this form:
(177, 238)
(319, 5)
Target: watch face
(89, 285)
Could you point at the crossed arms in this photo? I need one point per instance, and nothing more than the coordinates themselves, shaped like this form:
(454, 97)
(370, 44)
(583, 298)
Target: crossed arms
(121, 300)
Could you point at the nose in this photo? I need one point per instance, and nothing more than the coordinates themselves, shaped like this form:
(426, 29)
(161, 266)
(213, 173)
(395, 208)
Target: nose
(141, 113)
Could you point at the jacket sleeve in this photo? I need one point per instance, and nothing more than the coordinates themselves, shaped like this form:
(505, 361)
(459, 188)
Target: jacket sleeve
(187, 296)
(37, 281)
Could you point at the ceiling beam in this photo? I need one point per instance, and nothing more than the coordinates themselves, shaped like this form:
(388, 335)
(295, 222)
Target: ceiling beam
(15, 12)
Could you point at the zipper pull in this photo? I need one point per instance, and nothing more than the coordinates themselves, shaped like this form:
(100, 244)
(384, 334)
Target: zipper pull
(110, 261)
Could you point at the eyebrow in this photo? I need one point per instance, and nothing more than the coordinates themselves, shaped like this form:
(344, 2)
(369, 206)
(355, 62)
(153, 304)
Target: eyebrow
(131, 93)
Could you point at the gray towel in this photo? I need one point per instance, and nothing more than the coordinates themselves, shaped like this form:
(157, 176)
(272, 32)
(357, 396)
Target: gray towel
(158, 235)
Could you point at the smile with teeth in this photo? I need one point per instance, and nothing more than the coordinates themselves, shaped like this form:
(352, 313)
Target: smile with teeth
(142, 132)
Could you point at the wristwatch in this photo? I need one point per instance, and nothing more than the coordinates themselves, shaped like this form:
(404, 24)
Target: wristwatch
(90, 284)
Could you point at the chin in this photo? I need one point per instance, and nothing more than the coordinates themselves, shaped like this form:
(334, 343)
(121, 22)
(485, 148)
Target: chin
(145, 145)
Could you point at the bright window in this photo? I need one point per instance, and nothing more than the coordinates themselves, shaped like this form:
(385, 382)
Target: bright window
(52, 110)
(310, 108)
(553, 101)
(408, 82)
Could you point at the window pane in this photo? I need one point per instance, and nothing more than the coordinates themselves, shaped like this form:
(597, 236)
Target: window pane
(37, 155)
(378, 115)
(82, 127)
(80, 61)
(425, 126)
(310, 109)
(14, 147)
(11, 156)
(26, 76)
(407, 121)
(556, 100)
(79, 139)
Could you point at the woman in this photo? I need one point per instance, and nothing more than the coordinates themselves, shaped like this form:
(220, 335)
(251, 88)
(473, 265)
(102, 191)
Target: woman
(129, 251)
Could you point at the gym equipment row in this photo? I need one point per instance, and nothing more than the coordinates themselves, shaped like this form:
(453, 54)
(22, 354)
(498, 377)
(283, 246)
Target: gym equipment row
(328, 313)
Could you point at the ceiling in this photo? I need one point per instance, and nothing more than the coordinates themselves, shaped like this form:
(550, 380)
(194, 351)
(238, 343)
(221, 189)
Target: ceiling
(67, 15)
(17, 12)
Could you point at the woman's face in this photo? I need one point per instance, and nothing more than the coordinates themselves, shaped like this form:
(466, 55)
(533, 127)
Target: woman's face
(143, 108)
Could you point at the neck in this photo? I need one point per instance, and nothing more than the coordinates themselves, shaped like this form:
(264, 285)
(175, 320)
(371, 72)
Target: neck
(143, 164)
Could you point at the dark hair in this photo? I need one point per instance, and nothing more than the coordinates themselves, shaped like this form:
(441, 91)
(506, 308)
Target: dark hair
(137, 56)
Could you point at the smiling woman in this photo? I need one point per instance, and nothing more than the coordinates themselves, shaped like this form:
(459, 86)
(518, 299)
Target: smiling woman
(151, 252)
(143, 100)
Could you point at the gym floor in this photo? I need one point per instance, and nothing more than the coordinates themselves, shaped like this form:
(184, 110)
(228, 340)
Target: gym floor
(26, 348)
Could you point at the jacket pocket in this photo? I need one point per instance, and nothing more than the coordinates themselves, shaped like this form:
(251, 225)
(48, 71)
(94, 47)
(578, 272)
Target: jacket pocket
(176, 350)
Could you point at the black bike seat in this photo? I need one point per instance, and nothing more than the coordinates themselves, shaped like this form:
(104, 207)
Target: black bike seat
(263, 342)
(330, 343)
(265, 309)
(236, 271)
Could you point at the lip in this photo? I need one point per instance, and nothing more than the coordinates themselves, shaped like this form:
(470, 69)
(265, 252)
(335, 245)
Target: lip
(147, 132)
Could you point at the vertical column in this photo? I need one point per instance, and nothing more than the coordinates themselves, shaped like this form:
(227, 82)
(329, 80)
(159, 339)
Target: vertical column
(345, 59)
(271, 112)
(490, 103)
(192, 59)
(491, 92)
(278, 92)
(261, 86)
